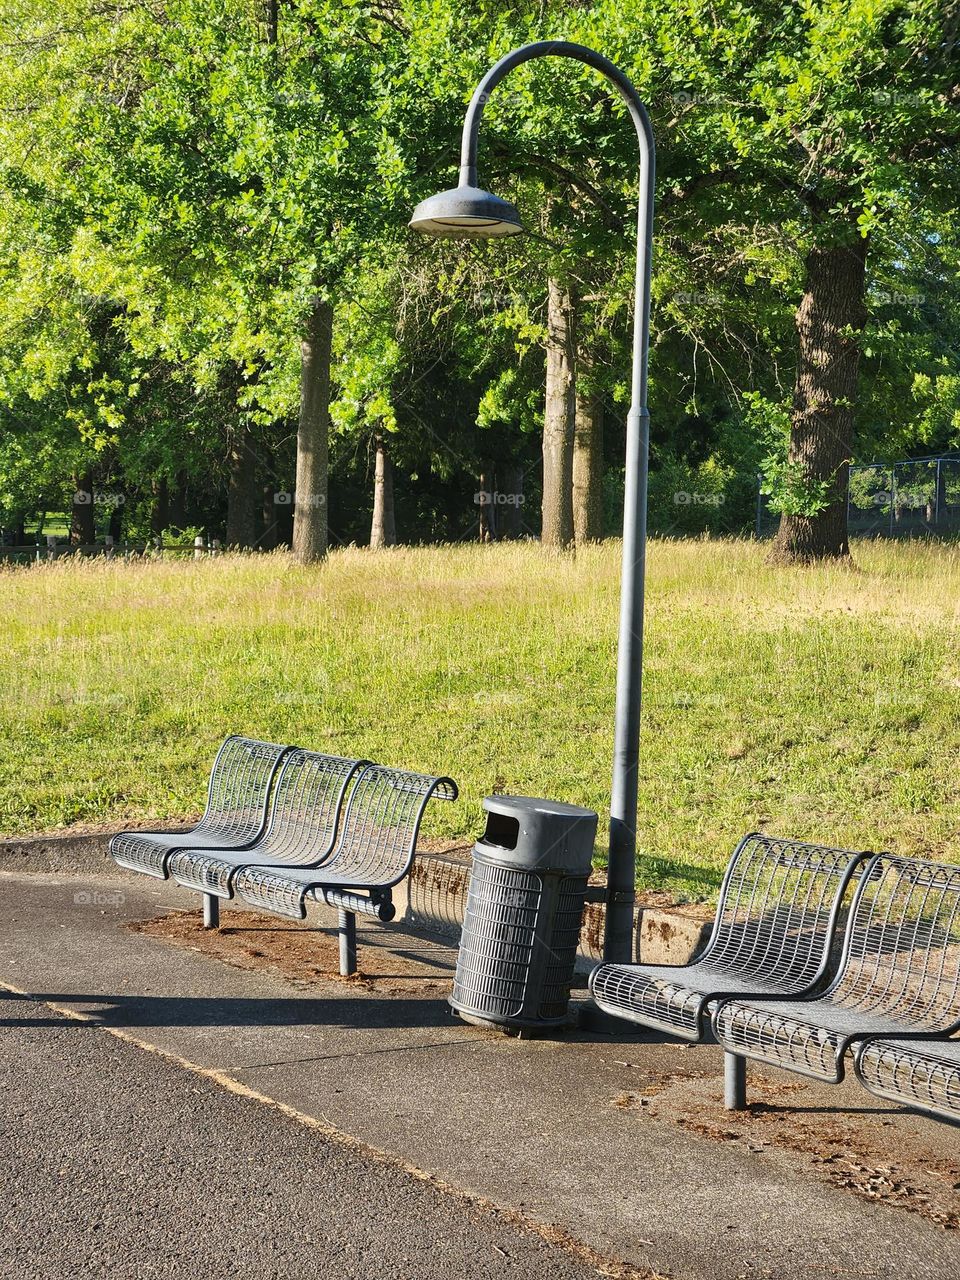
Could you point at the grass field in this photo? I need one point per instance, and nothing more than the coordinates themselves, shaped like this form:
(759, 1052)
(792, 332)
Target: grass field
(819, 703)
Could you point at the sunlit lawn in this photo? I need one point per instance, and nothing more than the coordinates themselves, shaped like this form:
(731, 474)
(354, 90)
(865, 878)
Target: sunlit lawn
(817, 703)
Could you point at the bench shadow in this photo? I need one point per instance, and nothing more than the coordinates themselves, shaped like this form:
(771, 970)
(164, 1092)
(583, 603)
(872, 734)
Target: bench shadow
(788, 1109)
(368, 1013)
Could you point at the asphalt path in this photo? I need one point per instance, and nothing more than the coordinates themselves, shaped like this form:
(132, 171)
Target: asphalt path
(117, 1162)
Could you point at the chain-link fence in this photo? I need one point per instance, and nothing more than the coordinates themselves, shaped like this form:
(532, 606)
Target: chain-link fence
(918, 497)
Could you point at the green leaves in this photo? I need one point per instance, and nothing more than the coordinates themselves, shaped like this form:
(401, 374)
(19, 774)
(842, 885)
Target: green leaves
(164, 166)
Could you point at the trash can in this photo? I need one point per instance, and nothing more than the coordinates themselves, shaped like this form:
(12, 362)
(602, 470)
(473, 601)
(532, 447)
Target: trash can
(524, 909)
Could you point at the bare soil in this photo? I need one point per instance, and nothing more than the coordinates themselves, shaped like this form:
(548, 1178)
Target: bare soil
(877, 1154)
(302, 952)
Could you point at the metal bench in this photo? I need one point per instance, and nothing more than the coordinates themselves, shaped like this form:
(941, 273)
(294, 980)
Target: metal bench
(374, 851)
(924, 1074)
(899, 973)
(304, 811)
(234, 818)
(776, 919)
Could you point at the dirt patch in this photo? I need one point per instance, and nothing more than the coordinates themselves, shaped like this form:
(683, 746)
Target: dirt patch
(877, 1159)
(301, 953)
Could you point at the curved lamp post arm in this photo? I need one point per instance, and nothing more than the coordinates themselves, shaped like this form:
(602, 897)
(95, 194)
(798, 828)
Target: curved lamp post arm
(621, 871)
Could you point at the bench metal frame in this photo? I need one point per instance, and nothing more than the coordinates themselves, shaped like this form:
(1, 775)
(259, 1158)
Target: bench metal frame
(235, 816)
(899, 975)
(922, 1072)
(374, 851)
(776, 919)
(304, 814)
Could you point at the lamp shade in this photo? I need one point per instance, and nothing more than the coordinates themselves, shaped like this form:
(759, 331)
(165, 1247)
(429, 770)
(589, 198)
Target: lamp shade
(466, 211)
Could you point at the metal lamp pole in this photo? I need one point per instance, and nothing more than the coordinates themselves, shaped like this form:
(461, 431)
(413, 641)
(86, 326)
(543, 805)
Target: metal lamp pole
(467, 210)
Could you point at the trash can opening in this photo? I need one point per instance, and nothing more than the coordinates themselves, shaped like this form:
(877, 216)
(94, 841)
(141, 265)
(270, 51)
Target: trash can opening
(502, 831)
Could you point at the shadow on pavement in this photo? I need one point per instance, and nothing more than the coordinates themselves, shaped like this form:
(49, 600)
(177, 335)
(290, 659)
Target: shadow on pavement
(193, 1011)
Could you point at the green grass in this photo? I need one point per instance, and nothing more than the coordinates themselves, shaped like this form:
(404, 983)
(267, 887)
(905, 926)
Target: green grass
(820, 703)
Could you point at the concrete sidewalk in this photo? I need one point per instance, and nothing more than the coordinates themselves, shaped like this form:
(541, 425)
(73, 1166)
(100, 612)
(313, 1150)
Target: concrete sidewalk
(619, 1143)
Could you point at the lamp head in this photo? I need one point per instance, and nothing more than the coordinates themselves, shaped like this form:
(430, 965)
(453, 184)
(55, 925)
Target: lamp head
(466, 211)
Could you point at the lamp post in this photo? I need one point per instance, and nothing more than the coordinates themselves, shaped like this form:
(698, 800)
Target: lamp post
(468, 211)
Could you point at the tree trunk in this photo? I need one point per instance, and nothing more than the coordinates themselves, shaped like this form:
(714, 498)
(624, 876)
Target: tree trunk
(829, 320)
(82, 524)
(159, 515)
(269, 512)
(115, 526)
(587, 461)
(487, 517)
(313, 432)
(242, 493)
(558, 418)
(177, 511)
(383, 529)
(510, 517)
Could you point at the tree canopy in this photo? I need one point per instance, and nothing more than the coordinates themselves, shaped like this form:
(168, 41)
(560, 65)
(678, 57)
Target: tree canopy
(183, 184)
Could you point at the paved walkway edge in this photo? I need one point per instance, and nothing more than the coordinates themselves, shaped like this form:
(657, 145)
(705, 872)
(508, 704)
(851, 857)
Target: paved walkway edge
(606, 1265)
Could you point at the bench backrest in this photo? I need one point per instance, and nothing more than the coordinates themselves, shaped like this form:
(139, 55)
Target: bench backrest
(306, 805)
(901, 953)
(378, 837)
(778, 910)
(239, 788)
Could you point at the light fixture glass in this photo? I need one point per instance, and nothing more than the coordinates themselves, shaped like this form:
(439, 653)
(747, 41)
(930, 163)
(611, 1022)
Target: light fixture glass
(466, 212)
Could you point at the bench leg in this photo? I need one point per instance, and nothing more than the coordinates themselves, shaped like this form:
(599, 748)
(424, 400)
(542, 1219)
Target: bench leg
(211, 911)
(734, 1082)
(348, 942)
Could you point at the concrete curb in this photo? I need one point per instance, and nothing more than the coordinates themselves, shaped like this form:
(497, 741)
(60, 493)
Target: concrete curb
(431, 901)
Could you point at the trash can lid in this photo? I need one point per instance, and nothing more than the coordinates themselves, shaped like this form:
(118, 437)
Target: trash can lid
(515, 805)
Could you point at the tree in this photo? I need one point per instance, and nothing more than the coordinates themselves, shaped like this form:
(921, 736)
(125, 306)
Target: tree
(211, 178)
(558, 417)
(587, 454)
(383, 528)
(313, 434)
(806, 143)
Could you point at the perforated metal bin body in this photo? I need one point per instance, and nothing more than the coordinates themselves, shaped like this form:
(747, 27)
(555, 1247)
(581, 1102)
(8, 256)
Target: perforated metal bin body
(524, 909)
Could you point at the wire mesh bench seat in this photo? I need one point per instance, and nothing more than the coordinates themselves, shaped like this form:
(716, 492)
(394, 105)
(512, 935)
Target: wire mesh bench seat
(775, 922)
(899, 973)
(374, 851)
(924, 1074)
(304, 813)
(234, 818)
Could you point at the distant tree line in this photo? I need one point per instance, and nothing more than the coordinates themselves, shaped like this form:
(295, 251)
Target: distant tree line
(213, 317)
